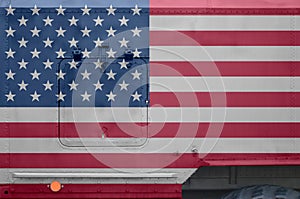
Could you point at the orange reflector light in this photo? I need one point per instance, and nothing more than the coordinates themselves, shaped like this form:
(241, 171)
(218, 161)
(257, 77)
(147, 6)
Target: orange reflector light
(55, 186)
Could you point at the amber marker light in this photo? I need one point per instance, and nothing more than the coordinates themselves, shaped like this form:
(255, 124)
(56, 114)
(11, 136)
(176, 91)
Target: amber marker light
(55, 186)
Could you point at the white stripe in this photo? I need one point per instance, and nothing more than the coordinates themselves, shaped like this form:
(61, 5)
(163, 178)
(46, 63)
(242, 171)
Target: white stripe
(225, 53)
(162, 145)
(156, 114)
(224, 22)
(90, 176)
(224, 114)
(224, 84)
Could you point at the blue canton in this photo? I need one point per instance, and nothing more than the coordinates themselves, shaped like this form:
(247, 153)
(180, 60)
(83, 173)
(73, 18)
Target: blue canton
(74, 57)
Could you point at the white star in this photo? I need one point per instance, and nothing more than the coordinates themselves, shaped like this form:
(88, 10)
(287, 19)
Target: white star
(10, 75)
(86, 10)
(73, 21)
(98, 86)
(111, 53)
(10, 32)
(10, 53)
(10, 10)
(48, 86)
(98, 21)
(48, 21)
(98, 42)
(60, 32)
(73, 42)
(123, 43)
(60, 96)
(136, 10)
(35, 96)
(22, 21)
(123, 64)
(22, 64)
(85, 32)
(73, 85)
(86, 53)
(35, 53)
(111, 10)
(123, 86)
(85, 96)
(10, 96)
(85, 75)
(111, 32)
(35, 75)
(136, 32)
(123, 21)
(73, 64)
(22, 43)
(48, 64)
(111, 96)
(60, 11)
(35, 10)
(35, 32)
(136, 53)
(136, 96)
(22, 86)
(60, 53)
(98, 64)
(48, 42)
(60, 75)
(136, 75)
(111, 75)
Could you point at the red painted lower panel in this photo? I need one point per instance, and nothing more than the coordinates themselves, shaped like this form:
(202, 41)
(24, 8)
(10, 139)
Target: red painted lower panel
(35, 191)
(158, 160)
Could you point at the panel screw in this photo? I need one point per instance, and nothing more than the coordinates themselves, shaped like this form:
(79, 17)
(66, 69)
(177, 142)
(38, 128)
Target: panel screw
(194, 150)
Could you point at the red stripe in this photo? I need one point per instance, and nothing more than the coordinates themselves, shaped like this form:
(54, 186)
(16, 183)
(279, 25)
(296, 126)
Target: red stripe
(103, 160)
(173, 10)
(225, 69)
(156, 130)
(157, 160)
(225, 38)
(228, 130)
(233, 99)
(23, 129)
(137, 191)
(224, 4)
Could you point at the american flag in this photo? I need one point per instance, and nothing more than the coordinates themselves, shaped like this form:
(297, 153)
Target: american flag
(219, 80)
